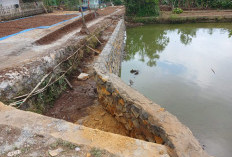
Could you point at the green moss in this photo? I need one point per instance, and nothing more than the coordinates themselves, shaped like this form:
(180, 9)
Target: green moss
(96, 152)
(63, 143)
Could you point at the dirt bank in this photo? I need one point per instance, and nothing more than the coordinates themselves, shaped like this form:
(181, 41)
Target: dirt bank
(203, 16)
(15, 26)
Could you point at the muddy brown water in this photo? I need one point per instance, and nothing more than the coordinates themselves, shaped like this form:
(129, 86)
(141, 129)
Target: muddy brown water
(186, 69)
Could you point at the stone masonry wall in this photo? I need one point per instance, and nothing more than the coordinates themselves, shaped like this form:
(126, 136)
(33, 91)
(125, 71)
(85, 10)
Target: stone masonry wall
(142, 117)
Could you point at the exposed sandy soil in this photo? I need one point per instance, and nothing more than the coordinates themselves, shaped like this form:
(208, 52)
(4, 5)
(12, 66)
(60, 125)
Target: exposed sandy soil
(28, 143)
(15, 26)
(98, 118)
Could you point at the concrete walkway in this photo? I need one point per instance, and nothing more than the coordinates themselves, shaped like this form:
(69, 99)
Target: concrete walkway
(19, 49)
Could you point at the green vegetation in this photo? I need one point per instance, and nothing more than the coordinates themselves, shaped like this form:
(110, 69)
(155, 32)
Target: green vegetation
(142, 7)
(46, 99)
(63, 143)
(226, 4)
(201, 4)
(177, 11)
(68, 4)
(117, 2)
(96, 152)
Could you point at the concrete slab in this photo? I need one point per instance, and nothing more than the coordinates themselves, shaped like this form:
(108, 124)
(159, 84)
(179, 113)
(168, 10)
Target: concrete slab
(18, 45)
(77, 134)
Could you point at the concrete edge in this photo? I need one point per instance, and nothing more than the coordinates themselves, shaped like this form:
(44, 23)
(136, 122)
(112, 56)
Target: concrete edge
(77, 134)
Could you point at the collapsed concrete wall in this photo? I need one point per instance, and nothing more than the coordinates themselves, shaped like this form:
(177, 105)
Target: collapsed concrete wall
(20, 80)
(36, 128)
(142, 117)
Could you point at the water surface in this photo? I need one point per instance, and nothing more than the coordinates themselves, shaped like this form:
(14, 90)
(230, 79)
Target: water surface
(187, 69)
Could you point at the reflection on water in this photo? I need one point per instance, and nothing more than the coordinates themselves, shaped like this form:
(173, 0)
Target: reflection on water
(186, 69)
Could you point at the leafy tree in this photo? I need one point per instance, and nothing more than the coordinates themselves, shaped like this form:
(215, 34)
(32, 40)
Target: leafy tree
(142, 7)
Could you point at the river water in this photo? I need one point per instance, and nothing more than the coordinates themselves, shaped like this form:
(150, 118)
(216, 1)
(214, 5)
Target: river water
(187, 69)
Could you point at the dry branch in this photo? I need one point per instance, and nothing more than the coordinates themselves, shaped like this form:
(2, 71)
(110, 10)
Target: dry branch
(35, 91)
(41, 81)
(98, 39)
(98, 52)
(69, 84)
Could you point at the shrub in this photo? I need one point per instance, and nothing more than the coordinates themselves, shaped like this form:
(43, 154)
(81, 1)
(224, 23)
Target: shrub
(177, 11)
(226, 4)
(117, 2)
(142, 7)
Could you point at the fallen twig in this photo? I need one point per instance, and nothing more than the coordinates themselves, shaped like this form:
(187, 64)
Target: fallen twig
(98, 52)
(69, 84)
(35, 91)
(98, 39)
(41, 81)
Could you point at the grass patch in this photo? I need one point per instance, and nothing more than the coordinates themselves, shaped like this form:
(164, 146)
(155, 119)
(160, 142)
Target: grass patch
(96, 152)
(63, 143)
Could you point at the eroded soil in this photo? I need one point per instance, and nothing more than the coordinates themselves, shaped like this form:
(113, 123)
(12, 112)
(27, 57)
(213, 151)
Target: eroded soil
(80, 104)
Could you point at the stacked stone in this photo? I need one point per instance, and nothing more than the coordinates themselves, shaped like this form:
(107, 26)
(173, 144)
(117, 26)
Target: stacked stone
(132, 116)
(144, 119)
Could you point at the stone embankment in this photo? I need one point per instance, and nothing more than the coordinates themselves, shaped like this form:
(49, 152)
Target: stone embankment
(142, 117)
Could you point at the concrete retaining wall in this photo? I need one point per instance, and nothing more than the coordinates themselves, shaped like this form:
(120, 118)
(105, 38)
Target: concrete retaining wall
(142, 117)
(24, 10)
(22, 79)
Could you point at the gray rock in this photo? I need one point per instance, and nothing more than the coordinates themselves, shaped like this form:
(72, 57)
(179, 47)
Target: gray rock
(55, 152)
(14, 153)
(83, 76)
(77, 149)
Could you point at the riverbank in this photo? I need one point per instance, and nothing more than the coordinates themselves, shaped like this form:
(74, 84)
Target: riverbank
(202, 16)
